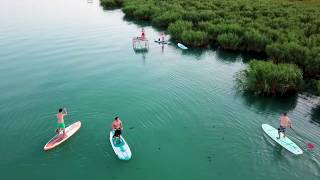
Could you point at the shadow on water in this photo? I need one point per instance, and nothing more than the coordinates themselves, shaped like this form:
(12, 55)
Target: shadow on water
(233, 56)
(105, 8)
(135, 21)
(163, 47)
(141, 23)
(270, 104)
(194, 52)
(315, 115)
(246, 57)
(142, 53)
(227, 56)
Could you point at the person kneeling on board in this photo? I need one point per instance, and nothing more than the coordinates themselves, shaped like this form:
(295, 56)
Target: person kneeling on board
(61, 125)
(285, 122)
(117, 127)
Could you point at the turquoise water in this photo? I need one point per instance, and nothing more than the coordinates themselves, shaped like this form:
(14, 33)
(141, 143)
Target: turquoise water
(182, 116)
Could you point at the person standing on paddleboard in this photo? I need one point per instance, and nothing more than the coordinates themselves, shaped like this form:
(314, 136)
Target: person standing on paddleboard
(117, 127)
(285, 122)
(162, 36)
(61, 125)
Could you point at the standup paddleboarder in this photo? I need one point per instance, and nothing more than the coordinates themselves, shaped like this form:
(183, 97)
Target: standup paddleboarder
(117, 127)
(162, 36)
(61, 125)
(285, 122)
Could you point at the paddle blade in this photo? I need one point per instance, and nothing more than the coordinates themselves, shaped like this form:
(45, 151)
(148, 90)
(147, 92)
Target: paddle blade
(310, 146)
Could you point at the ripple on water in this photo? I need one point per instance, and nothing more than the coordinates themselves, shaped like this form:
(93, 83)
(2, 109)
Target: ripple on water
(172, 106)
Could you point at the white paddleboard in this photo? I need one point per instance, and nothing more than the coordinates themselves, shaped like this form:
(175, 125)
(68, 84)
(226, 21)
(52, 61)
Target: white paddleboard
(121, 149)
(283, 141)
(181, 46)
(162, 42)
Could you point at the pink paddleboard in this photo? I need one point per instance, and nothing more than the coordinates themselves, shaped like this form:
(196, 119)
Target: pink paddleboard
(56, 141)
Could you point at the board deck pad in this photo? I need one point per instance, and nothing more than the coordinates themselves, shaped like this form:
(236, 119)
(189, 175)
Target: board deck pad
(56, 141)
(283, 141)
(121, 149)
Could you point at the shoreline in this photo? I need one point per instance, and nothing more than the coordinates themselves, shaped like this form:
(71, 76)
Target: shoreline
(231, 36)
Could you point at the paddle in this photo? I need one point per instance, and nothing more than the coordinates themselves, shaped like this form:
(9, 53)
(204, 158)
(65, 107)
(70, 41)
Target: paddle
(65, 110)
(310, 145)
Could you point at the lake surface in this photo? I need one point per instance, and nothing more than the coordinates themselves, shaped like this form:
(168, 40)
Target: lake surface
(182, 115)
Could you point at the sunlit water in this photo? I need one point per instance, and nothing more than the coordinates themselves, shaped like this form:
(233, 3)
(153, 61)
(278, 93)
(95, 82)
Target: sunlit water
(183, 117)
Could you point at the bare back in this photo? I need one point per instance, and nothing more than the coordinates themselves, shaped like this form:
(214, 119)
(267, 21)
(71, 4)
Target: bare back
(285, 121)
(60, 117)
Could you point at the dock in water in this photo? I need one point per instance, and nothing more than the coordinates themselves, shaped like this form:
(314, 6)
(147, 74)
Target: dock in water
(140, 44)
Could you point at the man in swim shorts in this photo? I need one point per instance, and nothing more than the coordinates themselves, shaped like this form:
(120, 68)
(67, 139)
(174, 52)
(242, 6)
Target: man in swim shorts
(285, 122)
(61, 125)
(117, 127)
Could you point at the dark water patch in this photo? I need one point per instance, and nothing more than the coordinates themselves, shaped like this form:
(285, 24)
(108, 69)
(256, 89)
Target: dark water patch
(140, 23)
(193, 52)
(267, 104)
(227, 56)
(234, 56)
(315, 115)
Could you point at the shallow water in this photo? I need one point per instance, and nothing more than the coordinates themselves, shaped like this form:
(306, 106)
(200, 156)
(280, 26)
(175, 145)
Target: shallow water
(182, 115)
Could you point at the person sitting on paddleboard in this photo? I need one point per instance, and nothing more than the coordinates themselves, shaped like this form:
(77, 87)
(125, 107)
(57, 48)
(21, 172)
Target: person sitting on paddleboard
(143, 36)
(61, 125)
(117, 127)
(285, 122)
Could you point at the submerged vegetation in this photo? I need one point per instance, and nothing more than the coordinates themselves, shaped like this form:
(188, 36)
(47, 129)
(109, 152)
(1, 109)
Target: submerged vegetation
(287, 31)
